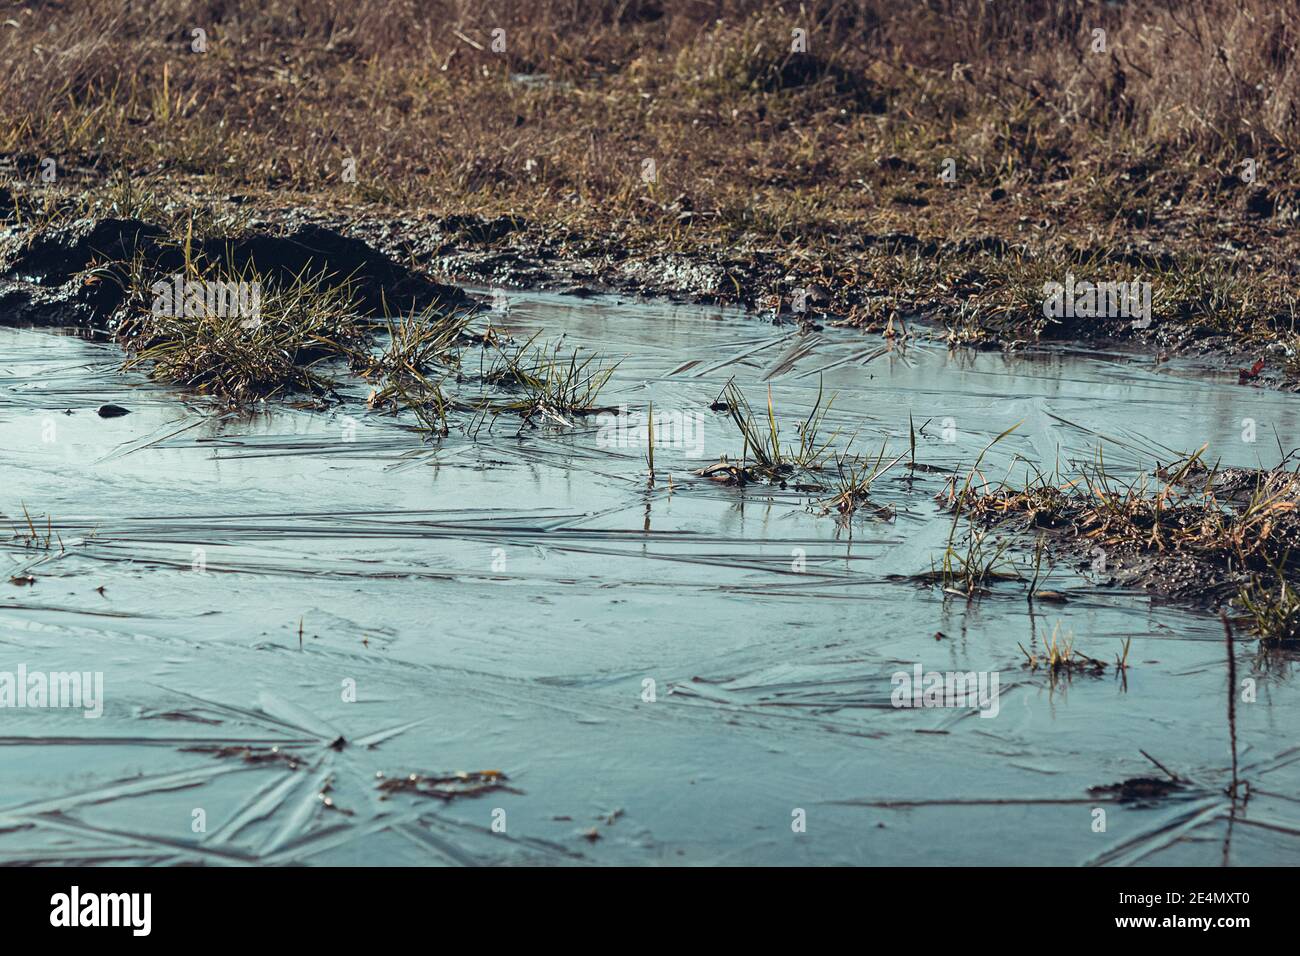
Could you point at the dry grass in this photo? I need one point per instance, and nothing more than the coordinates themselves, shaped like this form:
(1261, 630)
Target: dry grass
(1220, 535)
(1170, 515)
(797, 152)
(301, 325)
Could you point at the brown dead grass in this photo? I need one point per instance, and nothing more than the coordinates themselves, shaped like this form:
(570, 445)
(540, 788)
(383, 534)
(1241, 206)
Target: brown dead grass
(1230, 535)
(757, 134)
(754, 145)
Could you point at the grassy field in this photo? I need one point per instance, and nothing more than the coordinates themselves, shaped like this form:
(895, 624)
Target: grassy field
(944, 158)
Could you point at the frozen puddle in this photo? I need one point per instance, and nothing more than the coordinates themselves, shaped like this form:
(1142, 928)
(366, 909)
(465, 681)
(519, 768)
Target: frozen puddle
(625, 675)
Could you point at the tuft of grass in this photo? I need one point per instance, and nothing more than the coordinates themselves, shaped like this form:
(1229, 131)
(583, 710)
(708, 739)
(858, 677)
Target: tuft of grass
(1181, 515)
(424, 398)
(422, 353)
(1060, 657)
(1272, 607)
(968, 571)
(239, 359)
(30, 537)
(761, 436)
(417, 343)
(853, 479)
(553, 387)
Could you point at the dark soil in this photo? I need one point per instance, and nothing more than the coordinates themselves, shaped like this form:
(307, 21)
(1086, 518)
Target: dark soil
(75, 273)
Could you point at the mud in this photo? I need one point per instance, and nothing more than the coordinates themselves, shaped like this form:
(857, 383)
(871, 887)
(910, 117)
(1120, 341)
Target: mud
(75, 273)
(516, 254)
(1175, 560)
(43, 282)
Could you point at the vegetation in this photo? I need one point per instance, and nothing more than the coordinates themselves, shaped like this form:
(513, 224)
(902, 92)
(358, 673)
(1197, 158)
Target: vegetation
(1223, 535)
(237, 357)
(776, 138)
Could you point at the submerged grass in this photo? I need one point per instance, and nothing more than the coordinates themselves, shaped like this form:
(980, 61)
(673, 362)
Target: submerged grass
(852, 481)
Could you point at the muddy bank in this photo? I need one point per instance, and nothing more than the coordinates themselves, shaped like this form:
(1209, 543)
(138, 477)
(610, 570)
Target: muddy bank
(1203, 537)
(80, 272)
(977, 292)
(881, 284)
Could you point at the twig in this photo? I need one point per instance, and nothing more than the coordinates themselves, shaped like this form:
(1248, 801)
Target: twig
(1169, 773)
(1232, 699)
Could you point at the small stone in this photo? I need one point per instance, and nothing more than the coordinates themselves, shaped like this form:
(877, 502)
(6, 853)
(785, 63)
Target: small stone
(113, 411)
